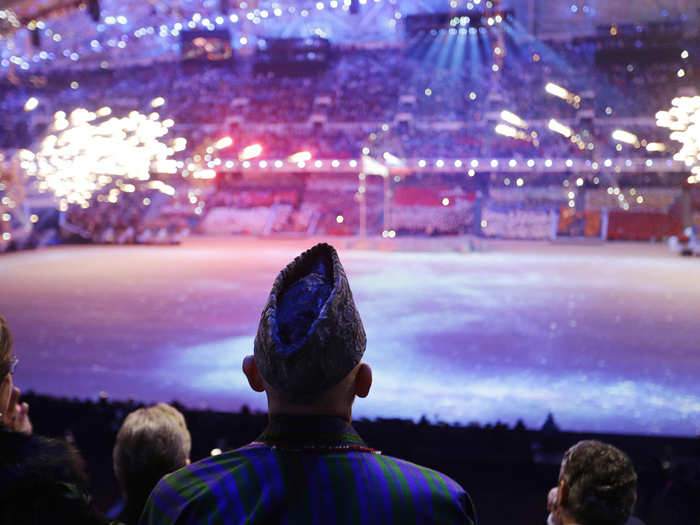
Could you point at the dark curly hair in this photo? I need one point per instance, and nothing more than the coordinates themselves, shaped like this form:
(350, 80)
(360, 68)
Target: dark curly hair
(602, 483)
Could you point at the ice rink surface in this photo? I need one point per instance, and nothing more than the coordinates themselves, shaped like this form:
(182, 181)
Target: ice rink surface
(606, 337)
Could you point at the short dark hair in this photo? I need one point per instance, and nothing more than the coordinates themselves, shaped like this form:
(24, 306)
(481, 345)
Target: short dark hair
(151, 443)
(6, 342)
(602, 483)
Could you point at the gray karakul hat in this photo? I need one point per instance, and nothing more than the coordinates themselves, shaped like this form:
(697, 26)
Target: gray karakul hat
(310, 334)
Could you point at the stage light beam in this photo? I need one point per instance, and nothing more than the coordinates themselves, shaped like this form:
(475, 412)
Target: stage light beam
(250, 152)
(512, 118)
(557, 91)
(560, 128)
(223, 143)
(620, 135)
(656, 146)
(31, 104)
(506, 130)
(301, 156)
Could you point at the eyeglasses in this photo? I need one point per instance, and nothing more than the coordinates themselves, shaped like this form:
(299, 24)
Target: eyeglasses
(13, 364)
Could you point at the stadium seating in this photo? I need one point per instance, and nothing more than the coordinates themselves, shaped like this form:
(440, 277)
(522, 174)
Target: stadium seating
(641, 226)
(518, 223)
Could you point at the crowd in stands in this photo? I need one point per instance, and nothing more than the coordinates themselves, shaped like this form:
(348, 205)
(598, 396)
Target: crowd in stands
(307, 204)
(364, 87)
(438, 204)
(640, 226)
(433, 111)
(16, 231)
(515, 223)
(360, 86)
(140, 217)
(432, 210)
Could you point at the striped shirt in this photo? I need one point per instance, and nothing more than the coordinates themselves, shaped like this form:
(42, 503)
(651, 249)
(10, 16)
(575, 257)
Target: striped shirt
(307, 470)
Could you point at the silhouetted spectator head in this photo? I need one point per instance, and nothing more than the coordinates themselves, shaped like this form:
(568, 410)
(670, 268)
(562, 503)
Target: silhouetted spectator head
(42, 481)
(152, 442)
(597, 485)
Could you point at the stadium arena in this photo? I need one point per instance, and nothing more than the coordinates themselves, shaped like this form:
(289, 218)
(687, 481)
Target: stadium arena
(513, 187)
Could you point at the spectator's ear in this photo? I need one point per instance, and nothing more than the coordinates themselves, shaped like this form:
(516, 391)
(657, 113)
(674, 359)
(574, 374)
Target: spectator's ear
(250, 369)
(552, 499)
(363, 380)
(562, 494)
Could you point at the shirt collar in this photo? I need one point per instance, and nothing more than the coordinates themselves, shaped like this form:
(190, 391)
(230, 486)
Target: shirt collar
(311, 432)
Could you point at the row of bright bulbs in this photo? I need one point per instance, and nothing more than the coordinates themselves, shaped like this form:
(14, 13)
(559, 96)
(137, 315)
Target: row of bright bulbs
(301, 158)
(423, 163)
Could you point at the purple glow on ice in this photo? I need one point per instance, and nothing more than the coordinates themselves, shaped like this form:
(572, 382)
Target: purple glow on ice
(605, 337)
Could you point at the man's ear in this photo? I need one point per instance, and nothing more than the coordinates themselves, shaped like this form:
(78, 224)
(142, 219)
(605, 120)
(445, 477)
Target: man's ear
(250, 369)
(562, 493)
(363, 380)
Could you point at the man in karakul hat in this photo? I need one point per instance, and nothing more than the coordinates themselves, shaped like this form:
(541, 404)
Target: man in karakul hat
(309, 465)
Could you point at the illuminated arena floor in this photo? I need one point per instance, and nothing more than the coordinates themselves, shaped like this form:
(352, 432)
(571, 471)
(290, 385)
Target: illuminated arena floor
(606, 337)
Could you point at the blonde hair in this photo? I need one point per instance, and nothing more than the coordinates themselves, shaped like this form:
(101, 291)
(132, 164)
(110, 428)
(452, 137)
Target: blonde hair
(152, 442)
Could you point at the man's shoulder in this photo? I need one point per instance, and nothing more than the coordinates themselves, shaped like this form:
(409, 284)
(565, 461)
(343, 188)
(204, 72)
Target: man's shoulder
(212, 470)
(232, 484)
(449, 502)
(435, 479)
(230, 459)
(196, 485)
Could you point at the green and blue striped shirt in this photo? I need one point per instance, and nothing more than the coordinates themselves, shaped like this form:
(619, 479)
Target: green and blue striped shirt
(307, 470)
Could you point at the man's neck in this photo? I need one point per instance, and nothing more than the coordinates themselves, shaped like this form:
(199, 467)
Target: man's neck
(307, 411)
(281, 407)
(311, 432)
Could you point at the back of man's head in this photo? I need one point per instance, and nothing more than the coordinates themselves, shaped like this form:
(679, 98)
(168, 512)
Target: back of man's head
(597, 484)
(152, 442)
(310, 335)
